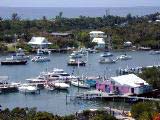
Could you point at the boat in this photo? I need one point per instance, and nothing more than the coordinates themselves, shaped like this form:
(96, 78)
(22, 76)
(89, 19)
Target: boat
(40, 59)
(154, 52)
(20, 55)
(124, 57)
(107, 61)
(74, 62)
(61, 85)
(25, 88)
(49, 87)
(14, 62)
(6, 87)
(18, 59)
(43, 52)
(80, 84)
(76, 54)
(106, 54)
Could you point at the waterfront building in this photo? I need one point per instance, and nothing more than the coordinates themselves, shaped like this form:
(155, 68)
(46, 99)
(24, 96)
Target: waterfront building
(96, 34)
(100, 43)
(39, 42)
(125, 84)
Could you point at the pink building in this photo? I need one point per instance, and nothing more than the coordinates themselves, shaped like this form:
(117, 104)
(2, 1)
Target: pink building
(125, 84)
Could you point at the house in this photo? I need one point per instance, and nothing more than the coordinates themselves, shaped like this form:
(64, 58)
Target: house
(96, 34)
(100, 43)
(39, 42)
(125, 84)
(59, 34)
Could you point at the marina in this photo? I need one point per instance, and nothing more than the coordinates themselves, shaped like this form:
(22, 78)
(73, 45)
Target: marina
(51, 98)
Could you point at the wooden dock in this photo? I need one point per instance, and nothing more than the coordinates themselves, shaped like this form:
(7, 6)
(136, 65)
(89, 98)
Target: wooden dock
(95, 94)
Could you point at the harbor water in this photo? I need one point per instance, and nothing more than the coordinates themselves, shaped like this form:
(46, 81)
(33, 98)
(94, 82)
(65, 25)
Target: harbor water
(56, 101)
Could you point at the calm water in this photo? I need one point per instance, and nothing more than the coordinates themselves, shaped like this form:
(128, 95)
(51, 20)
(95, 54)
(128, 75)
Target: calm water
(55, 101)
(51, 12)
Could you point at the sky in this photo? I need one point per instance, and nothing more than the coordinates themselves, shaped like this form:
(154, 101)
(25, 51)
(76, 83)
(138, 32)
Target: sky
(78, 3)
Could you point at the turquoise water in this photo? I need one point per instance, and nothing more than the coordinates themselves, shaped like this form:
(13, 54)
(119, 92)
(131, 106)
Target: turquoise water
(55, 101)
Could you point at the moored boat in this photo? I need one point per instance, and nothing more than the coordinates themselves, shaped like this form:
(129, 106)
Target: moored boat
(14, 62)
(107, 61)
(40, 59)
(73, 62)
(80, 84)
(25, 88)
(124, 57)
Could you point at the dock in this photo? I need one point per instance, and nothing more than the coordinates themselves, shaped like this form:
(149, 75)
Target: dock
(134, 70)
(95, 94)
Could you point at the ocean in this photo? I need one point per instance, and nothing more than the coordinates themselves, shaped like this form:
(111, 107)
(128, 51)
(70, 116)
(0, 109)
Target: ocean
(72, 12)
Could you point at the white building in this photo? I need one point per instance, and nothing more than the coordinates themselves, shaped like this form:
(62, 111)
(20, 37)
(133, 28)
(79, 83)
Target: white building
(130, 84)
(100, 43)
(39, 42)
(96, 34)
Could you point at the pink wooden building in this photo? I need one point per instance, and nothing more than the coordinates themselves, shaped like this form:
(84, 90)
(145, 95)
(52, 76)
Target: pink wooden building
(125, 84)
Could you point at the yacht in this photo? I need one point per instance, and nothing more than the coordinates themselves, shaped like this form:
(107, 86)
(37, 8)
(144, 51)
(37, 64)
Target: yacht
(43, 52)
(25, 88)
(76, 54)
(49, 87)
(154, 52)
(74, 62)
(107, 61)
(19, 58)
(106, 54)
(61, 85)
(124, 57)
(40, 59)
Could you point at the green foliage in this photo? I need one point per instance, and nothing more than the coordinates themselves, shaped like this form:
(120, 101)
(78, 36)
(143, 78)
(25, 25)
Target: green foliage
(144, 111)
(33, 114)
(129, 28)
(152, 76)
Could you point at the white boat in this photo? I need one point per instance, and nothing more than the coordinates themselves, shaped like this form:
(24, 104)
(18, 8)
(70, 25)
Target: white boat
(61, 85)
(76, 54)
(43, 52)
(124, 57)
(49, 87)
(154, 52)
(80, 84)
(25, 88)
(19, 55)
(40, 59)
(107, 61)
(106, 54)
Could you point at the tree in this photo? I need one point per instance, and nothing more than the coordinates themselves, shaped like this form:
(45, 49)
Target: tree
(15, 17)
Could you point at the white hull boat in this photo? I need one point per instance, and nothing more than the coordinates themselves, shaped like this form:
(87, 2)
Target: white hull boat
(107, 61)
(63, 86)
(28, 89)
(124, 57)
(80, 84)
(40, 59)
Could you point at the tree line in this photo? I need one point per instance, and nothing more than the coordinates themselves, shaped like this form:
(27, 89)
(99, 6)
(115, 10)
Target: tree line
(141, 30)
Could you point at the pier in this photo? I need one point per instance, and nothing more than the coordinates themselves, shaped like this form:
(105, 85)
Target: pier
(134, 70)
(90, 95)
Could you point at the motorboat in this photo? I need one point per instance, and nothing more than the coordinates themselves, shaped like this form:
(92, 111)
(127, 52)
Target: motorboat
(124, 57)
(49, 87)
(13, 62)
(40, 59)
(76, 54)
(106, 54)
(25, 88)
(107, 61)
(80, 84)
(74, 62)
(154, 52)
(20, 55)
(61, 85)
(17, 59)
(43, 52)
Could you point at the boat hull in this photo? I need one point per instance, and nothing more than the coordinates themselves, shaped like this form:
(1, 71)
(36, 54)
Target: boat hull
(76, 64)
(13, 62)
